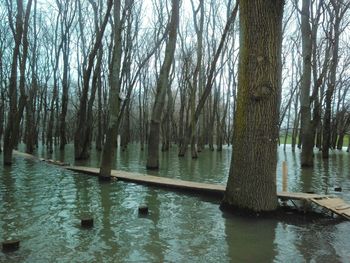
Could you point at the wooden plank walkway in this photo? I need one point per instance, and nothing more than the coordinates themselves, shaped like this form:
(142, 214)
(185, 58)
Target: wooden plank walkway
(332, 204)
(165, 182)
(335, 205)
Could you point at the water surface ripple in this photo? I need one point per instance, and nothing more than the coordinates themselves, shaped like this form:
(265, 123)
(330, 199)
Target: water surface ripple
(41, 205)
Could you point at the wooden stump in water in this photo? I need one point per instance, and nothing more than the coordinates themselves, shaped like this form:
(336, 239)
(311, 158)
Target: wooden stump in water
(143, 210)
(87, 222)
(104, 178)
(337, 189)
(10, 245)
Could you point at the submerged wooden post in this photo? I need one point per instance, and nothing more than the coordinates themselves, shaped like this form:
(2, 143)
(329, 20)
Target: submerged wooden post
(10, 245)
(143, 210)
(87, 222)
(284, 176)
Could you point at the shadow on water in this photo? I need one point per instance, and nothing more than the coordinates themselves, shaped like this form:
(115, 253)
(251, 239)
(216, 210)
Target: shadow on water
(309, 244)
(157, 248)
(106, 231)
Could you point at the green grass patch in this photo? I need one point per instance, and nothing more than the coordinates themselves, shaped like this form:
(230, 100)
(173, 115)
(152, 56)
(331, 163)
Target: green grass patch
(289, 140)
(346, 140)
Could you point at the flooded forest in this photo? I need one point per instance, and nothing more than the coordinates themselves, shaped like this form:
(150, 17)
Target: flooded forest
(249, 96)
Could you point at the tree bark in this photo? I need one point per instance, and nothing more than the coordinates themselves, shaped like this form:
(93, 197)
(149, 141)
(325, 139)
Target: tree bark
(252, 178)
(306, 130)
(162, 85)
(108, 152)
(30, 133)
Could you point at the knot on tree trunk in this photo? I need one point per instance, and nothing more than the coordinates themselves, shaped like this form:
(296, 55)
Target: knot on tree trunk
(261, 91)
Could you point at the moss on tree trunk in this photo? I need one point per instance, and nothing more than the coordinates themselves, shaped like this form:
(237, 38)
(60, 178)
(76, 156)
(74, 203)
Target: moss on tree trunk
(252, 178)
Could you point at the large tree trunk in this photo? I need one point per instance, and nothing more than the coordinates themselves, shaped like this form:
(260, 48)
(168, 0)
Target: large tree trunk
(30, 120)
(167, 121)
(30, 134)
(13, 94)
(162, 85)
(108, 152)
(125, 129)
(99, 136)
(2, 115)
(307, 136)
(252, 179)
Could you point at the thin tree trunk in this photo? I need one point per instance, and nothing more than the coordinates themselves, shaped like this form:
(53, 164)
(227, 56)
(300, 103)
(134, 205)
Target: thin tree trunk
(339, 11)
(15, 115)
(209, 83)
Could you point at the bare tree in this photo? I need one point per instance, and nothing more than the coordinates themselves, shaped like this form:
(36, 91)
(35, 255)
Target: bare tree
(337, 12)
(16, 111)
(82, 135)
(162, 86)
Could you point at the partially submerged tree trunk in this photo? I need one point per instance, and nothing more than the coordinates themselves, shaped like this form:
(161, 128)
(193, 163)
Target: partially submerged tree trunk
(30, 132)
(339, 12)
(162, 85)
(108, 152)
(307, 136)
(82, 134)
(252, 179)
(99, 136)
(16, 111)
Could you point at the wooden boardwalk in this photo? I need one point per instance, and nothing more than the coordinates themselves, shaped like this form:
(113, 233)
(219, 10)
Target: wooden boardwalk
(328, 203)
(213, 189)
(333, 204)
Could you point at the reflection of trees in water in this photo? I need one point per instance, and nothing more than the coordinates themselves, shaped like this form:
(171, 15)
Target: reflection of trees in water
(14, 214)
(306, 180)
(106, 232)
(321, 178)
(315, 243)
(155, 247)
(8, 203)
(83, 195)
(250, 240)
(328, 173)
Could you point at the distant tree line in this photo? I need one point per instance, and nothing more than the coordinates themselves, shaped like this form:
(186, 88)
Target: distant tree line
(161, 73)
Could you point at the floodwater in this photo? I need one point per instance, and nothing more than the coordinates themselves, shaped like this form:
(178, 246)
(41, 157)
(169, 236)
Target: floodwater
(40, 204)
